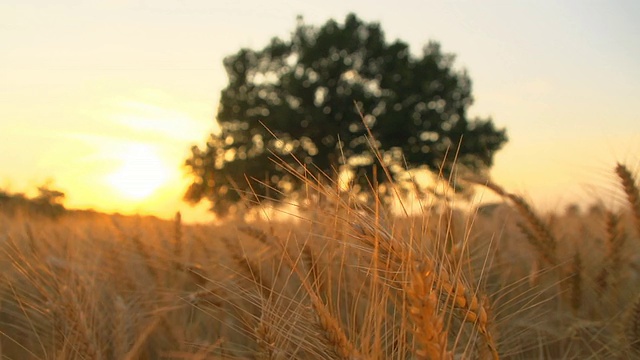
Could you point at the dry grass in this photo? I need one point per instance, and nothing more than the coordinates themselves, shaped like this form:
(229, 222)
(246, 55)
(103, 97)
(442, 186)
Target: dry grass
(341, 281)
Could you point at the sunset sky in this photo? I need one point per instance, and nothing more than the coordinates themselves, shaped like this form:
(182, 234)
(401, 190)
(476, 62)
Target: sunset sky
(105, 98)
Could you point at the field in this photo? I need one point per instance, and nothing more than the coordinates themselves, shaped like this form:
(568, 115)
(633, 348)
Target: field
(339, 280)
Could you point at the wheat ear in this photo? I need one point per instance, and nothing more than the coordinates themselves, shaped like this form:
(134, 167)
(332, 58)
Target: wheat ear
(473, 309)
(330, 326)
(266, 339)
(547, 242)
(607, 279)
(429, 329)
(631, 190)
(332, 330)
(632, 327)
(575, 287)
(76, 318)
(250, 268)
(177, 237)
(122, 328)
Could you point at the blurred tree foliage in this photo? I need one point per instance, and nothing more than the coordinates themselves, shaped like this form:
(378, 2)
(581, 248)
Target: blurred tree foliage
(298, 101)
(48, 203)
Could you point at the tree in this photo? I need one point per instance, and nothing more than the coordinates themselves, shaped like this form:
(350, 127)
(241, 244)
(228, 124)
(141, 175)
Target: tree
(302, 99)
(49, 201)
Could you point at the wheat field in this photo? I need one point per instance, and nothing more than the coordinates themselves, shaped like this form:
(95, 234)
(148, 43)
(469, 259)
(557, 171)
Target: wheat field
(339, 280)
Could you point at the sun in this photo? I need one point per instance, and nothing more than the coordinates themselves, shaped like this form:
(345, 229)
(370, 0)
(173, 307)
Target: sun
(141, 174)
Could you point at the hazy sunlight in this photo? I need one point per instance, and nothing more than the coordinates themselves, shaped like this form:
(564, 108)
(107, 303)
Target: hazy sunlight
(141, 174)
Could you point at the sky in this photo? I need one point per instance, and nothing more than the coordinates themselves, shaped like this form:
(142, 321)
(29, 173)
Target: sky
(103, 99)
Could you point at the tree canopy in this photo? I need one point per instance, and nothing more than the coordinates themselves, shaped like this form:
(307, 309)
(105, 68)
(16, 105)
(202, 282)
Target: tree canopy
(300, 101)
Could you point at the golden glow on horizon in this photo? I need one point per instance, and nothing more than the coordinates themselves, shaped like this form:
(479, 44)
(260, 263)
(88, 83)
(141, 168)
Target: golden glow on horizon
(131, 162)
(141, 174)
